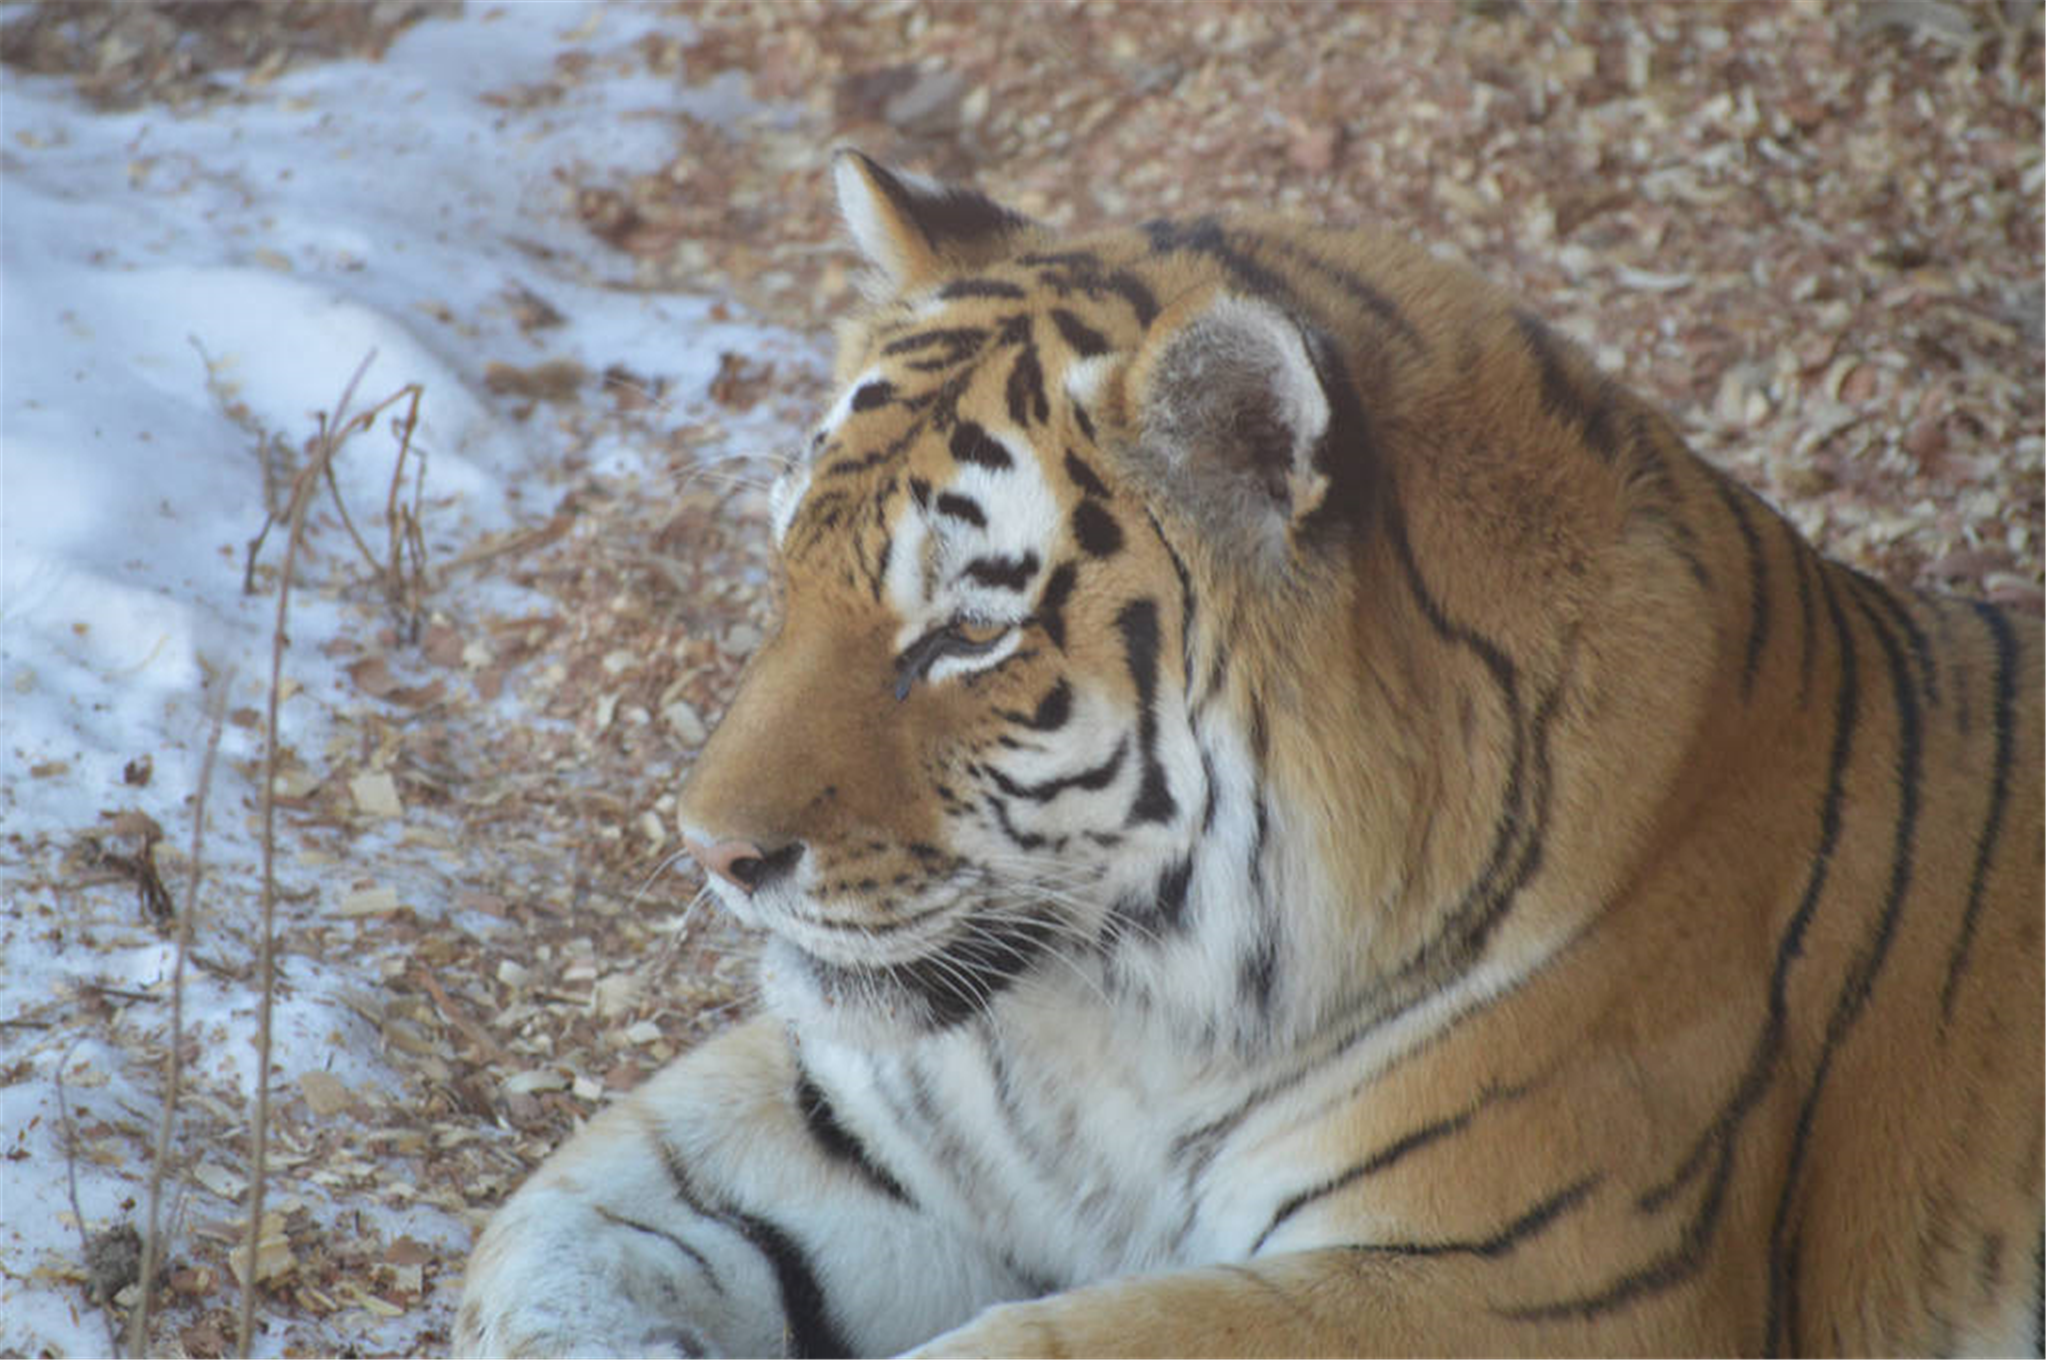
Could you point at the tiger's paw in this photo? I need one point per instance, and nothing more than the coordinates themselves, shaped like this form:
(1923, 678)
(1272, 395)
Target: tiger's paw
(485, 1328)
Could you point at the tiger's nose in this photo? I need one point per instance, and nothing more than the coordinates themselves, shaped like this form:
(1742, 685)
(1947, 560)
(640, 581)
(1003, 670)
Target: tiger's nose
(743, 864)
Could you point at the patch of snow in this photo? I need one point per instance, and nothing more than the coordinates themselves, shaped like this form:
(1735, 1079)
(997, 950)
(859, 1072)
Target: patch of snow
(172, 286)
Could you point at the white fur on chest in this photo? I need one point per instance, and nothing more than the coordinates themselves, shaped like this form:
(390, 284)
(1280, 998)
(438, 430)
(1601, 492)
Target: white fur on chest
(1080, 1141)
(1053, 1143)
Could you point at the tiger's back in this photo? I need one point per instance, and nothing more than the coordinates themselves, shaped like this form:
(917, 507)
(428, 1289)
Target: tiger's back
(1294, 816)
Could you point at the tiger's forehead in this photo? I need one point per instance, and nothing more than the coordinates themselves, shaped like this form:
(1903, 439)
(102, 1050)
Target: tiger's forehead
(951, 391)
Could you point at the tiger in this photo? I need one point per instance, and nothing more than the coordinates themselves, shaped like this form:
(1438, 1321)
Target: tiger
(1289, 814)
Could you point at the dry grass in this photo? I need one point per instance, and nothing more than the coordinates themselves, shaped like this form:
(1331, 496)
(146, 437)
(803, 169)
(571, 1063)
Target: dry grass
(174, 1066)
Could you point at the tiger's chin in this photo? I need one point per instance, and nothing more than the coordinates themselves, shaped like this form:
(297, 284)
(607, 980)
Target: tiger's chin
(822, 1000)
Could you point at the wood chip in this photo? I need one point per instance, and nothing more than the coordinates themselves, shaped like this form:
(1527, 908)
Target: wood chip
(369, 902)
(325, 1094)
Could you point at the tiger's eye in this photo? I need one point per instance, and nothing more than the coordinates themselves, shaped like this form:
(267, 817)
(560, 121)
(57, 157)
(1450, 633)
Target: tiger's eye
(974, 634)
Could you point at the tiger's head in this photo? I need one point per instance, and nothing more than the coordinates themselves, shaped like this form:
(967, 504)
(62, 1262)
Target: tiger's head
(1081, 678)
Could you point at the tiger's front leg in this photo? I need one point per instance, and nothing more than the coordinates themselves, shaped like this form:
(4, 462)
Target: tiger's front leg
(720, 1209)
(1328, 1301)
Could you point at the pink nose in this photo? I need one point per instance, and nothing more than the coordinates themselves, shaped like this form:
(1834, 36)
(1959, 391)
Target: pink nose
(742, 864)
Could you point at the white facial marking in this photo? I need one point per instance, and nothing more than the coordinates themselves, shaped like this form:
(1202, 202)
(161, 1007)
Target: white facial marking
(783, 498)
(927, 577)
(1084, 377)
(904, 585)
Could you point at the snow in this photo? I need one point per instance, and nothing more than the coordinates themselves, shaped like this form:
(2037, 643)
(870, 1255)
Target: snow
(172, 285)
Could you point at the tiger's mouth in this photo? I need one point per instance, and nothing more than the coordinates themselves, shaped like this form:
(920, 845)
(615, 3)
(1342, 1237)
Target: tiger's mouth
(977, 958)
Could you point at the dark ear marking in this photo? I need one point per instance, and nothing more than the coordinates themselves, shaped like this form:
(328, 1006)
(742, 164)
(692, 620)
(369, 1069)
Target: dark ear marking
(911, 228)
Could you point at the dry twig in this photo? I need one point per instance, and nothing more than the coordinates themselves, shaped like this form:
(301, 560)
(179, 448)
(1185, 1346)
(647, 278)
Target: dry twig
(106, 1305)
(152, 1246)
(303, 486)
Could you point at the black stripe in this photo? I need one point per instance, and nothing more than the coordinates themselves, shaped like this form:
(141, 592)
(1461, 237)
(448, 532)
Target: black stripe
(1003, 573)
(846, 466)
(1360, 291)
(1092, 779)
(1802, 555)
(956, 339)
(979, 288)
(1067, 270)
(1171, 895)
(1920, 646)
(1348, 450)
(1186, 604)
(1859, 985)
(1522, 823)
(2039, 1295)
(880, 569)
(984, 959)
(1133, 291)
(1534, 1221)
(1096, 530)
(1209, 800)
(1079, 261)
(1025, 392)
(1574, 393)
(1084, 477)
(1205, 236)
(1717, 1143)
(1758, 582)
(1257, 971)
(1052, 710)
(1370, 1166)
(1051, 605)
(877, 393)
(1084, 340)
(971, 444)
(1137, 621)
(1023, 840)
(1021, 1114)
(1081, 419)
(809, 1328)
(701, 1261)
(821, 1121)
(961, 508)
(2005, 726)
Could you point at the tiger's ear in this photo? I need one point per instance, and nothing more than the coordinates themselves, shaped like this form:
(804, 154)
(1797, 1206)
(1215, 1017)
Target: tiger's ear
(913, 229)
(1229, 413)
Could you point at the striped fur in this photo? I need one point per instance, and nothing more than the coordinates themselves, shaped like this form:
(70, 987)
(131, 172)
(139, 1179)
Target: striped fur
(1297, 818)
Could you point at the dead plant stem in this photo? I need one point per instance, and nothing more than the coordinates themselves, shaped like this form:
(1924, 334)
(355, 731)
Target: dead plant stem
(152, 1246)
(303, 485)
(106, 1306)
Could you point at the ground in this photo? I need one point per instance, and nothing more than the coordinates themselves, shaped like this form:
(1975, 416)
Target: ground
(1812, 231)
